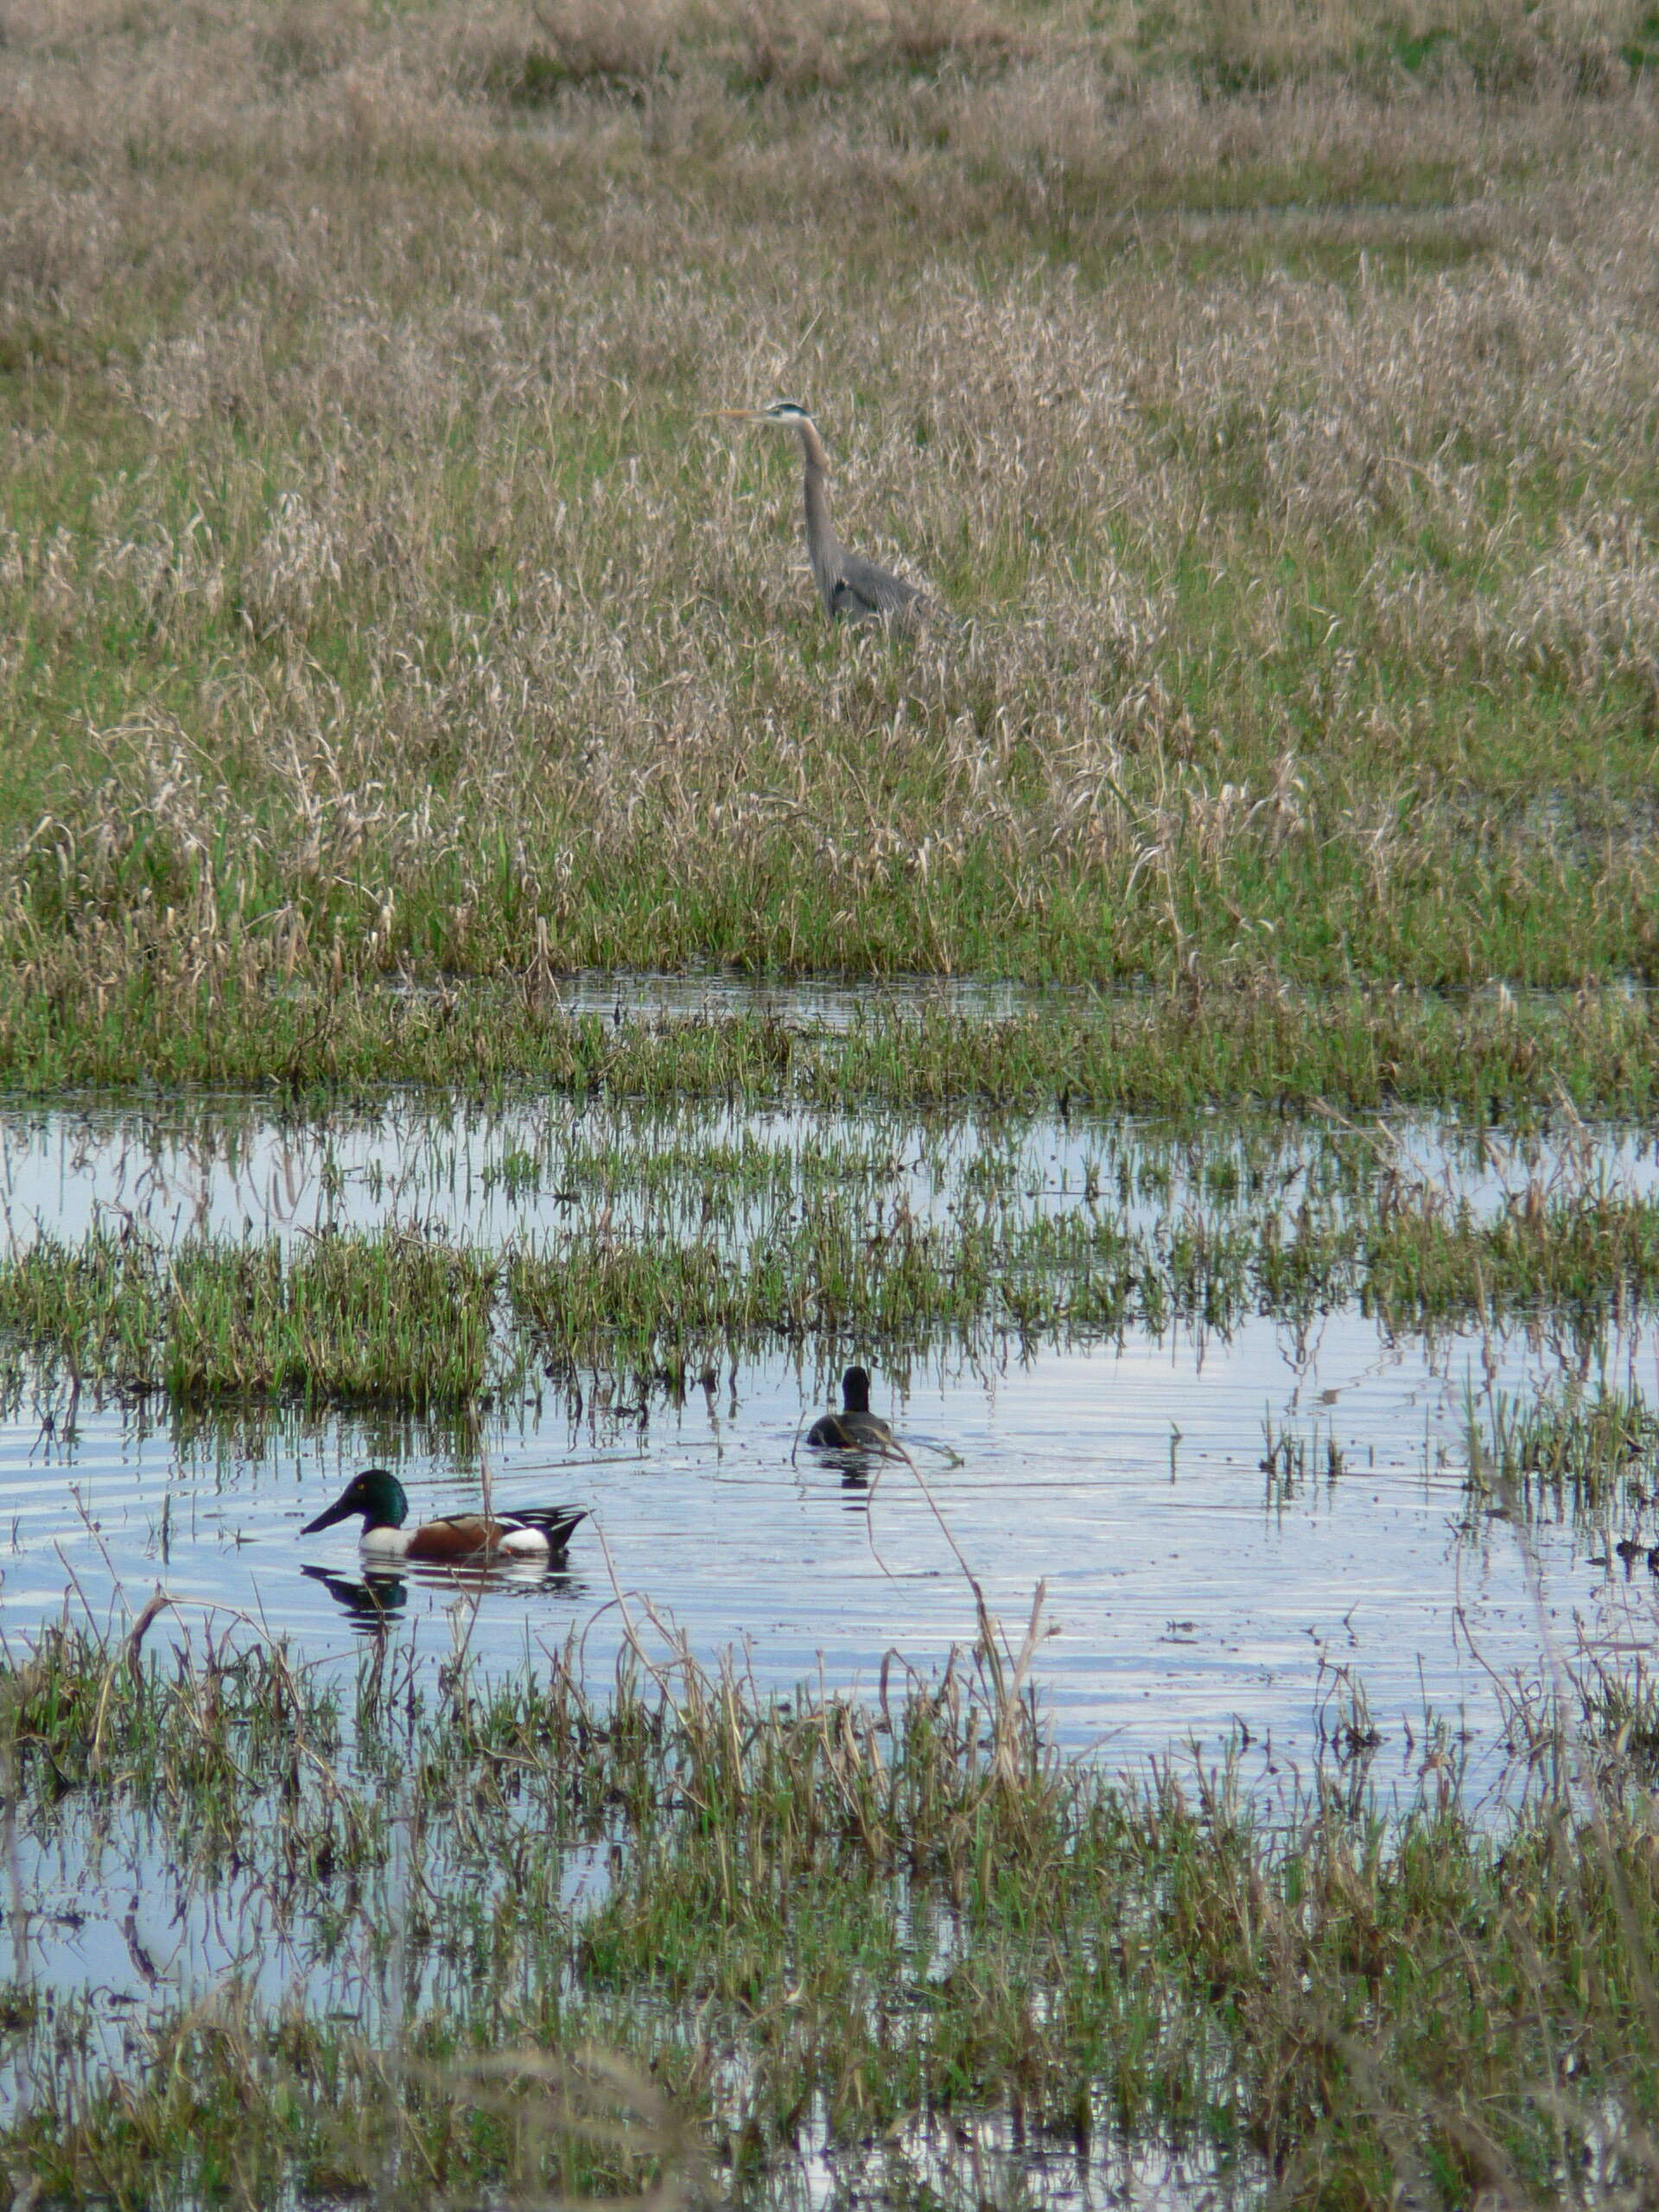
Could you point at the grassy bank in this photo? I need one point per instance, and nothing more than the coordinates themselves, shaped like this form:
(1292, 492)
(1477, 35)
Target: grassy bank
(1272, 394)
(393, 1319)
(876, 1938)
(661, 1276)
(1490, 1057)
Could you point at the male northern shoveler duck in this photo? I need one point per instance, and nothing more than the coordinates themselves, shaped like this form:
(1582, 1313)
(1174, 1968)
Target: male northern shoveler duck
(537, 1532)
(855, 1427)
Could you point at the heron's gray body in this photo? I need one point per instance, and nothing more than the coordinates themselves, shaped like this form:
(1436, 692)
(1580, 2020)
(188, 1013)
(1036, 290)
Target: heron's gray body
(852, 588)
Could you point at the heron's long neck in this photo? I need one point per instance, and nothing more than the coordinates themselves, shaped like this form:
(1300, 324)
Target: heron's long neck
(822, 548)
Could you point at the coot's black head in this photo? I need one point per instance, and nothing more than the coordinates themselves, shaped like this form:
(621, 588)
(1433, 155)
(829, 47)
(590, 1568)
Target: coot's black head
(855, 1391)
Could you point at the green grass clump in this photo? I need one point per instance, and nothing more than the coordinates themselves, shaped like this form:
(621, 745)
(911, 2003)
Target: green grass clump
(683, 1252)
(1582, 1257)
(389, 1317)
(1356, 1051)
(1589, 1450)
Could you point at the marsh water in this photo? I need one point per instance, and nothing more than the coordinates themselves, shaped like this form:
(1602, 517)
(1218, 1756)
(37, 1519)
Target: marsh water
(1256, 1538)
(1196, 1583)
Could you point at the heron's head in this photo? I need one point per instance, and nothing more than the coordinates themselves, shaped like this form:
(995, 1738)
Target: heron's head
(788, 412)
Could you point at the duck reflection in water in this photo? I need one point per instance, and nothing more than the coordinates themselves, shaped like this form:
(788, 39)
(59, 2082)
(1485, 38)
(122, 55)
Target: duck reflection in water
(370, 1602)
(373, 1600)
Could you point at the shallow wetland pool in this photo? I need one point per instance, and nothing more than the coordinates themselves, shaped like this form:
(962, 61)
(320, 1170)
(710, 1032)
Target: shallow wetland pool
(1238, 1520)
(1291, 1504)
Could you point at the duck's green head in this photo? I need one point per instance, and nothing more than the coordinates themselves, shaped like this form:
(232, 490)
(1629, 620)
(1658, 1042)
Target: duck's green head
(376, 1494)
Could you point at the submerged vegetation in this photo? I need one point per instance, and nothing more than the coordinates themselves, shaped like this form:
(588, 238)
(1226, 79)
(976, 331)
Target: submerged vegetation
(681, 1243)
(878, 1940)
(1489, 1058)
(393, 1317)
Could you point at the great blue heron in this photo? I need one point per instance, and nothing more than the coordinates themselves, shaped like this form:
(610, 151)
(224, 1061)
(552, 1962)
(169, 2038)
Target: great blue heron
(852, 588)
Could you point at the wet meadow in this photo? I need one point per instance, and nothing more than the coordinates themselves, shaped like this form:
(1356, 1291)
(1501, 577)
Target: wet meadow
(491, 985)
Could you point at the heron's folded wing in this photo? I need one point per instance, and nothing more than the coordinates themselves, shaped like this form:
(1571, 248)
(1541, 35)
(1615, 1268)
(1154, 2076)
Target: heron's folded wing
(864, 592)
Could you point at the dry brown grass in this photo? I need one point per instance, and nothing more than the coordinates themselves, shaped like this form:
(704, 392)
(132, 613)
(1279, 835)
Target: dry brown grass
(375, 591)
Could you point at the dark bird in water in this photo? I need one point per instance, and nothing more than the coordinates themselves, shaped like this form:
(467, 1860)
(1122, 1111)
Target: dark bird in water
(852, 588)
(540, 1532)
(854, 1428)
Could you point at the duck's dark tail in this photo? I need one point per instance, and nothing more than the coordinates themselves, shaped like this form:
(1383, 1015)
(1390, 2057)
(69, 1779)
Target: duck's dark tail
(555, 1522)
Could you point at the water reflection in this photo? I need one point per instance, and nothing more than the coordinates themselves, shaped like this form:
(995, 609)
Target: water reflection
(370, 1602)
(854, 1464)
(1213, 1520)
(546, 1167)
(375, 1598)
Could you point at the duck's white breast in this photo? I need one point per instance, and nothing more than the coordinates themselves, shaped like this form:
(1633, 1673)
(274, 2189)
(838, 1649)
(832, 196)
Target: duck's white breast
(385, 1543)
